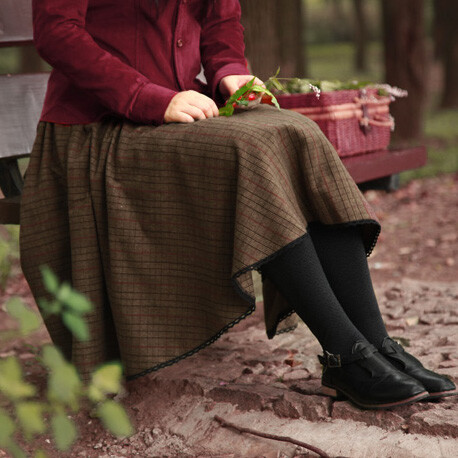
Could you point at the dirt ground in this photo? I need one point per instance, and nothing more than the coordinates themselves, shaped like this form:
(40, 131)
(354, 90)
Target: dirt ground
(273, 386)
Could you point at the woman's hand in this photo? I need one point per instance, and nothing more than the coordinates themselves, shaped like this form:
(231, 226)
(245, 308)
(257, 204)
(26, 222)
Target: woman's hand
(190, 106)
(229, 84)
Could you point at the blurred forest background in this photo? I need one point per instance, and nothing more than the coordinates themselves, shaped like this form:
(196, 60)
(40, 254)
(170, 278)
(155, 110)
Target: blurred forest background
(412, 44)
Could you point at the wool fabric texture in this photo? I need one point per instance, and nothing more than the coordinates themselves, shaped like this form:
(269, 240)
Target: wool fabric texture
(161, 227)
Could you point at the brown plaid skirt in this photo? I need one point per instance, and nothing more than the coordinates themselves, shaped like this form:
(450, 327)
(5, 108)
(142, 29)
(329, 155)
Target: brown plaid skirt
(161, 227)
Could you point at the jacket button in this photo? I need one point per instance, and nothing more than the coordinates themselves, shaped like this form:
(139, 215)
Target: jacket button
(180, 43)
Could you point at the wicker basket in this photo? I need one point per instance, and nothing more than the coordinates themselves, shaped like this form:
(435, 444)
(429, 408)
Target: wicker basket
(354, 121)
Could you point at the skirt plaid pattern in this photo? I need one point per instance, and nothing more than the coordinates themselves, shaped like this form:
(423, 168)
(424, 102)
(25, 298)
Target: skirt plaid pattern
(161, 227)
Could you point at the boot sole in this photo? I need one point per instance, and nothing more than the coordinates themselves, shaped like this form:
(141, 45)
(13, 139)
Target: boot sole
(339, 394)
(442, 394)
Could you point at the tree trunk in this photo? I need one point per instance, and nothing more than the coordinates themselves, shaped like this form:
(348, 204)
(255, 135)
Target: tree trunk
(289, 25)
(337, 11)
(274, 36)
(360, 36)
(446, 45)
(339, 21)
(405, 63)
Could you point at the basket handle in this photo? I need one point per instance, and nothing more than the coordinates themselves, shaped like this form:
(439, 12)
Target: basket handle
(377, 121)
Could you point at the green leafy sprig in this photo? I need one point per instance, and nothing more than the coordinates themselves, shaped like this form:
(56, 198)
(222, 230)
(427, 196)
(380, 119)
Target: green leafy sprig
(240, 97)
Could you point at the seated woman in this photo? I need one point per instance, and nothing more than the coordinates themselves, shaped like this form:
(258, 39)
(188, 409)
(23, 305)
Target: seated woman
(158, 210)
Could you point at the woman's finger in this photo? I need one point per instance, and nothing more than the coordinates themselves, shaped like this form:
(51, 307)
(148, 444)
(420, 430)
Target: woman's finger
(258, 82)
(211, 110)
(184, 117)
(215, 110)
(207, 105)
(195, 111)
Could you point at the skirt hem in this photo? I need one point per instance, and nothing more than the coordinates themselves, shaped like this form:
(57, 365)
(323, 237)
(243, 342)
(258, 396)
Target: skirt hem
(252, 301)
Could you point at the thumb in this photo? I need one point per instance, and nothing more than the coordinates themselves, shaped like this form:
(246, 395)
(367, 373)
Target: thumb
(233, 86)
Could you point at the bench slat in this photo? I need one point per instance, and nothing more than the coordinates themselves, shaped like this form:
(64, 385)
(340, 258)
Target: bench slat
(21, 101)
(15, 21)
(378, 164)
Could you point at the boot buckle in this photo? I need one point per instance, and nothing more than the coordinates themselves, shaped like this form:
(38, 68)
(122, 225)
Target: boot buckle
(332, 360)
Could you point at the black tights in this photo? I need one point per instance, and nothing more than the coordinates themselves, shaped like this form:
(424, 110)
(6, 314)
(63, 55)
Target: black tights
(326, 280)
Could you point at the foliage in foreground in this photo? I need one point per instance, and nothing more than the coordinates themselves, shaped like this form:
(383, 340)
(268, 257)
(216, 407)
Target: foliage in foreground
(9, 252)
(65, 392)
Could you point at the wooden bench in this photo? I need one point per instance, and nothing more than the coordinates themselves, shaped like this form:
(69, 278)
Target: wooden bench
(21, 99)
(380, 169)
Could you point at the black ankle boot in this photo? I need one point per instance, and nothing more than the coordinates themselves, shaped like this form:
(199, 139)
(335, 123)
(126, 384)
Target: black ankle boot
(377, 385)
(437, 385)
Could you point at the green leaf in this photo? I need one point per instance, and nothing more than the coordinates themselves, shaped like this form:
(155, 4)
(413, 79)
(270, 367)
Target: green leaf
(15, 450)
(106, 379)
(64, 431)
(50, 280)
(76, 325)
(40, 454)
(267, 92)
(273, 82)
(64, 385)
(28, 319)
(12, 384)
(115, 418)
(64, 292)
(49, 308)
(227, 110)
(7, 428)
(95, 394)
(75, 301)
(240, 92)
(52, 357)
(5, 262)
(30, 416)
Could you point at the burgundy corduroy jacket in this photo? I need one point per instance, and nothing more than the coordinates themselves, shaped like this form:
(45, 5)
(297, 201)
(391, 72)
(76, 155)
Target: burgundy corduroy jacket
(130, 57)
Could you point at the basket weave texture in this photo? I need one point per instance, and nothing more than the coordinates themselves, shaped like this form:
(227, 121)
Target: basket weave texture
(354, 121)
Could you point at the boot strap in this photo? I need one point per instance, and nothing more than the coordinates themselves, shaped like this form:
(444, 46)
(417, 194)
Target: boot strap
(331, 360)
(393, 347)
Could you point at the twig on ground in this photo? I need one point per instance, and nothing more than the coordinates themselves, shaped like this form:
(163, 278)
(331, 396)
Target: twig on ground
(242, 429)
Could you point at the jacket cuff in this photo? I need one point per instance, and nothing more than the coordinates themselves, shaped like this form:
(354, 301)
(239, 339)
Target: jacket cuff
(150, 104)
(229, 69)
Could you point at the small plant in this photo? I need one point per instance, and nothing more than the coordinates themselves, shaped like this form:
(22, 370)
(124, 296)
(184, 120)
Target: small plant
(31, 416)
(243, 96)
